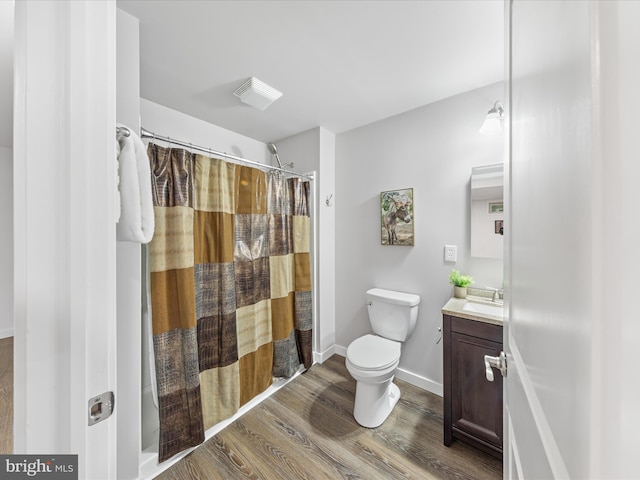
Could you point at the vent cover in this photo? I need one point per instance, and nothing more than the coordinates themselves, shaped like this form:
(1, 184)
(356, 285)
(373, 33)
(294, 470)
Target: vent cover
(257, 94)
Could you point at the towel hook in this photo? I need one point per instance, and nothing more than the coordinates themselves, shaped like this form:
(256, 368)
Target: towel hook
(328, 200)
(123, 131)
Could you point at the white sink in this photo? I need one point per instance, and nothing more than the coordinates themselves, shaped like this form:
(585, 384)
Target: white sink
(484, 308)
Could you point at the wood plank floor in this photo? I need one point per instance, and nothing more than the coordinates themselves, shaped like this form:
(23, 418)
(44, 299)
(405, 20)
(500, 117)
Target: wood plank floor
(306, 431)
(6, 396)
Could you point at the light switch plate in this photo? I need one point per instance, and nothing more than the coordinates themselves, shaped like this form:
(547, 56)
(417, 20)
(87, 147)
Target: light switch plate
(450, 253)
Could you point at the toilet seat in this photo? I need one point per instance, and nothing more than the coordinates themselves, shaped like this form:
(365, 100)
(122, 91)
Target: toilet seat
(371, 353)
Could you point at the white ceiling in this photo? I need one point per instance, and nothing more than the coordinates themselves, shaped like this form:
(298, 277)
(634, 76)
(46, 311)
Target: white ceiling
(340, 64)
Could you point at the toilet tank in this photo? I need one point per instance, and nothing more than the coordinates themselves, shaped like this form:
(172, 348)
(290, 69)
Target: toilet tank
(392, 314)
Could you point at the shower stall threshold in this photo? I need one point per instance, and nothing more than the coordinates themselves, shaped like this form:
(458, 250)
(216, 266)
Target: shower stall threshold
(149, 467)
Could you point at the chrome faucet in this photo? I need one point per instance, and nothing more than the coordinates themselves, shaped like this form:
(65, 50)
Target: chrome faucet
(496, 293)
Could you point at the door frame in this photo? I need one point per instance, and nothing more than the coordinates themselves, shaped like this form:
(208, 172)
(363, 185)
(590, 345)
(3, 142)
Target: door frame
(64, 230)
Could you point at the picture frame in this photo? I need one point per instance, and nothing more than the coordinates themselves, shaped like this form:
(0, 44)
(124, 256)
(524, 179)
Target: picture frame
(397, 217)
(496, 207)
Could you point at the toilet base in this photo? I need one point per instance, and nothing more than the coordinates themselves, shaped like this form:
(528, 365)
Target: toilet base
(374, 402)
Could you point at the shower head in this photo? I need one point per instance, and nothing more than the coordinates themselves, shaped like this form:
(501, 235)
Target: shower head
(274, 151)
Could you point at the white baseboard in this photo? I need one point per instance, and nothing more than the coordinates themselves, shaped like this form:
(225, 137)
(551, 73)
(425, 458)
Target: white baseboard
(420, 382)
(409, 377)
(6, 333)
(320, 357)
(340, 350)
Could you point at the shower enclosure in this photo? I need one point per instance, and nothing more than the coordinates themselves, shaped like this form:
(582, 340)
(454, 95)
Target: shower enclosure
(230, 285)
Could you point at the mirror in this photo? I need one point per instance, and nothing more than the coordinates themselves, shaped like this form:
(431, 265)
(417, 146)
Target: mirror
(487, 211)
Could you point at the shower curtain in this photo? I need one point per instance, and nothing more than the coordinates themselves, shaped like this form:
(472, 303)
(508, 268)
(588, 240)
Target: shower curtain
(230, 288)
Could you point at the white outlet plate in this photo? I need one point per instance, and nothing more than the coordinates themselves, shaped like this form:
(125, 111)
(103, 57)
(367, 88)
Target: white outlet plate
(450, 253)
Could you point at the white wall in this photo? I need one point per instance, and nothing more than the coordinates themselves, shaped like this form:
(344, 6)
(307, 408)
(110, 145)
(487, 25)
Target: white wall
(302, 149)
(314, 150)
(128, 264)
(431, 149)
(166, 122)
(6, 242)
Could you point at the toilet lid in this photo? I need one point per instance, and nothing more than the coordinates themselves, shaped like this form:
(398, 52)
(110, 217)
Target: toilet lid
(371, 352)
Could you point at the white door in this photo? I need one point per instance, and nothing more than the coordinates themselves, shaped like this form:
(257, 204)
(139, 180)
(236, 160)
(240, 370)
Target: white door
(571, 330)
(64, 231)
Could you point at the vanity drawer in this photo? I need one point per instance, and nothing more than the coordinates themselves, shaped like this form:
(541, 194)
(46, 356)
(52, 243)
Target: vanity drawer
(476, 328)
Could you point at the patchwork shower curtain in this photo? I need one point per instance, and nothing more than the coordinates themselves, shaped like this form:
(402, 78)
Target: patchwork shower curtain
(230, 288)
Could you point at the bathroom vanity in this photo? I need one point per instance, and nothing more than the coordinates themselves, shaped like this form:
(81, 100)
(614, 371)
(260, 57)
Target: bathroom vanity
(472, 404)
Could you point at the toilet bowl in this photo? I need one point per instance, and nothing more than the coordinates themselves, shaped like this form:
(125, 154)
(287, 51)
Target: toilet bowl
(372, 360)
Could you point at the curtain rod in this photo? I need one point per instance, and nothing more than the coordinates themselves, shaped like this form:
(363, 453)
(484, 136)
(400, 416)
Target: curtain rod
(147, 134)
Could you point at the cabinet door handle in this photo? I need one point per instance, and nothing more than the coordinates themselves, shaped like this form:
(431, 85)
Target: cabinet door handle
(499, 362)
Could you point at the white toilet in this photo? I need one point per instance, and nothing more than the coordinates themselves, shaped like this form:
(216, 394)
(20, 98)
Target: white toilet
(372, 359)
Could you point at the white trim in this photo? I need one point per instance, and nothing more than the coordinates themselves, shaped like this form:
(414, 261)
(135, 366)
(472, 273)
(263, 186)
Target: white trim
(315, 270)
(514, 455)
(128, 272)
(405, 375)
(6, 333)
(420, 382)
(64, 296)
(149, 390)
(326, 236)
(321, 357)
(554, 456)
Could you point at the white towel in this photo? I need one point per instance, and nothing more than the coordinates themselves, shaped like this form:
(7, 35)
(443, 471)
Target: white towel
(136, 214)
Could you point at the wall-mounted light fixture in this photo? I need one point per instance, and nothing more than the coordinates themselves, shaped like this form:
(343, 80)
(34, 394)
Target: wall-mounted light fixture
(493, 121)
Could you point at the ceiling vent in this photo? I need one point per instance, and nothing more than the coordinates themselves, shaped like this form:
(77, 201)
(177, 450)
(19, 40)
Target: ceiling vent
(257, 94)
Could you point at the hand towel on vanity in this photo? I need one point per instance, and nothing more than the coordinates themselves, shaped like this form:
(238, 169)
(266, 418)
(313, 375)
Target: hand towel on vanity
(136, 205)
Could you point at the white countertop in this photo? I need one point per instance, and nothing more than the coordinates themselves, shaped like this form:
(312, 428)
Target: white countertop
(455, 307)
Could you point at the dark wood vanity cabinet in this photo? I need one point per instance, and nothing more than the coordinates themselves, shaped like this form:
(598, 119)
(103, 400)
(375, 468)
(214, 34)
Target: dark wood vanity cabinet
(472, 404)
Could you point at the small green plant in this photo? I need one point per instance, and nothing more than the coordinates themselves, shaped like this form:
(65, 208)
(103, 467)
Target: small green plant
(459, 280)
